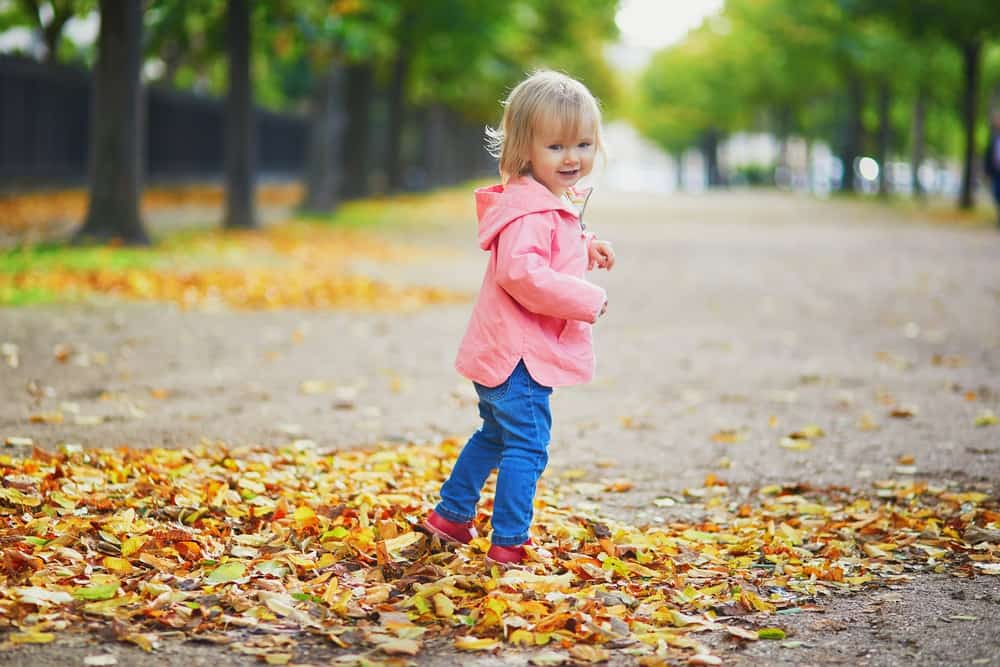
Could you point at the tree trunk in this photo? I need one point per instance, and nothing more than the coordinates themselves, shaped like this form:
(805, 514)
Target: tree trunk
(323, 168)
(784, 131)
(360, 86)
(971, 52)
(397, 120)
(853, 130)
(115, 168)
(710, 150)
(239, 136)
(919, 139)
(884, 130)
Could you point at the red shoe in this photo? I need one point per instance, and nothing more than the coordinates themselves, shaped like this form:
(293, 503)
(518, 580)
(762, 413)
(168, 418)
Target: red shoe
(506, 556)
(449, 531)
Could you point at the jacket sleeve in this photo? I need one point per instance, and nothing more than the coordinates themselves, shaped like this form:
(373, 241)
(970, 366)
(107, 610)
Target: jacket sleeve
(524, 271)
(988, 162)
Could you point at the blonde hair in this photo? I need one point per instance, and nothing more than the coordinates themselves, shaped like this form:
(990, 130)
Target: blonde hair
(545, 96)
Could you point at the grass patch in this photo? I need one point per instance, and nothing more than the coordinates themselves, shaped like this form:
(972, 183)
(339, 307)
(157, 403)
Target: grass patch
(11, 295)
(49, 256)
(297, 264)
(440, 208)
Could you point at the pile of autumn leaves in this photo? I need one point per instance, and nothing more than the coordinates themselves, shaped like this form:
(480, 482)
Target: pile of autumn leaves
(243, 546)
(294, 265)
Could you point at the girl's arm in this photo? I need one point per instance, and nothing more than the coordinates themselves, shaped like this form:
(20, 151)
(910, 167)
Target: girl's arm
(524, 251)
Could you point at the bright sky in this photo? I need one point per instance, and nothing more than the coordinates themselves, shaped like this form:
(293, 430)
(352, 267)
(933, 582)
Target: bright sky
(653, 24)
(645, 25)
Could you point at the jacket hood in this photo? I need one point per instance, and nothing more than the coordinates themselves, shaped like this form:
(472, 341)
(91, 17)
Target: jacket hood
(499, 205)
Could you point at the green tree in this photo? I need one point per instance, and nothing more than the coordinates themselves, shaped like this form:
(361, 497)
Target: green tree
(47, 19)
(966, 25)
(692, 94)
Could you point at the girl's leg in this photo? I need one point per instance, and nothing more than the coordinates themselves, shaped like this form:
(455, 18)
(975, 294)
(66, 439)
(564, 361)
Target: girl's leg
(479, 457)
(526, 421)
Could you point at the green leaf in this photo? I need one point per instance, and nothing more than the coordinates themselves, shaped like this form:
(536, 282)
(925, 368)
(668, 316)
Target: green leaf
(103, 587)
(227, 572)
(770, 633)
(987, 419)
(337, 533)
(272, 567)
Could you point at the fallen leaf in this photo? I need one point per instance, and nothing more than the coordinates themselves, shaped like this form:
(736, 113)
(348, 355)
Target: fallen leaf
(227, 572)
(588, 653)
(443, 606)
(704, 659)
(796, 444)
(103, 587)
(810, 432)
(771, 633)
(30, 637)
(400, 647)
(100, 660)
(548, 659)
(310, 387)
(729, 436)
(987, 418)
(476, 644)
(742, 633)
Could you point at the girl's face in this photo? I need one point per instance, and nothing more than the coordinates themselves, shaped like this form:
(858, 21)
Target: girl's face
(559, 157)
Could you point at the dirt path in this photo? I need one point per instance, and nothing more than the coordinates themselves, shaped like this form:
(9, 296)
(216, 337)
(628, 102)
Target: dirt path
(758, 313)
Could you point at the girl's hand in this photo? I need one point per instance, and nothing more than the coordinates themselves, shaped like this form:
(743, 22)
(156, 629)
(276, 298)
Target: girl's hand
(604, 309)
(601, 255)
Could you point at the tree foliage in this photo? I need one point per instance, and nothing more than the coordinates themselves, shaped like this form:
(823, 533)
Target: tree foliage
(848, 72)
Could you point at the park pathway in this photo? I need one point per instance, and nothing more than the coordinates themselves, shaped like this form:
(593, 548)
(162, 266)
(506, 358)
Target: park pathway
(734, 320)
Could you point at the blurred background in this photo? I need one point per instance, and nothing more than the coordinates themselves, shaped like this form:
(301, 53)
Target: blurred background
(112, 110)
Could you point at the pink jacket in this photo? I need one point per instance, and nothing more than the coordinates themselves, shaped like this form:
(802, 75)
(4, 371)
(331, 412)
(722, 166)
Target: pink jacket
(534, 303)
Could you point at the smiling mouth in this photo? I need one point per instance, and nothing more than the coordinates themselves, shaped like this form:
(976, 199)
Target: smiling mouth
(571, 172)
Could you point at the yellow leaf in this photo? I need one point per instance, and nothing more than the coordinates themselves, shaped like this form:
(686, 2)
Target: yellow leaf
(728, 436)
(521, 638)
(117, 565)
(133, 544)
(31, 637)
(304, 517)
(808, 432)
(476, 644)
(796, 444)
(443, 606)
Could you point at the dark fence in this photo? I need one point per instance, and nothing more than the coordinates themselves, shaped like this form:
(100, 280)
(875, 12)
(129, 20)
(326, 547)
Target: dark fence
(45, 120)
(45, 123)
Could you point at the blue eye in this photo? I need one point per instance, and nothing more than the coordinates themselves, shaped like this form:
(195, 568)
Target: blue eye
(555, 147)
(585, 144)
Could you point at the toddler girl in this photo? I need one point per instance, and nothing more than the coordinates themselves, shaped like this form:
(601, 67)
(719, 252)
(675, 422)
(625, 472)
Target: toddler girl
(530, 327)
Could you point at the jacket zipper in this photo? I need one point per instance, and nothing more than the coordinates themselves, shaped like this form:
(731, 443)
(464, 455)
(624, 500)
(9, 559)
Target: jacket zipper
(583, 227)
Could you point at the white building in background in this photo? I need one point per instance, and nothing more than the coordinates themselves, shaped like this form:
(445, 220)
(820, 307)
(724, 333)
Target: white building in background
(634, 164)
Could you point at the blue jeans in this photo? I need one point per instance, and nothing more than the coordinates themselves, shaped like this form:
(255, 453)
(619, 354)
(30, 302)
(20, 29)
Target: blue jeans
(514, 438)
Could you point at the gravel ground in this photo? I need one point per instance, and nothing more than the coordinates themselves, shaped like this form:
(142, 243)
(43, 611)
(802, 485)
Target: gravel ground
(757, 312)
